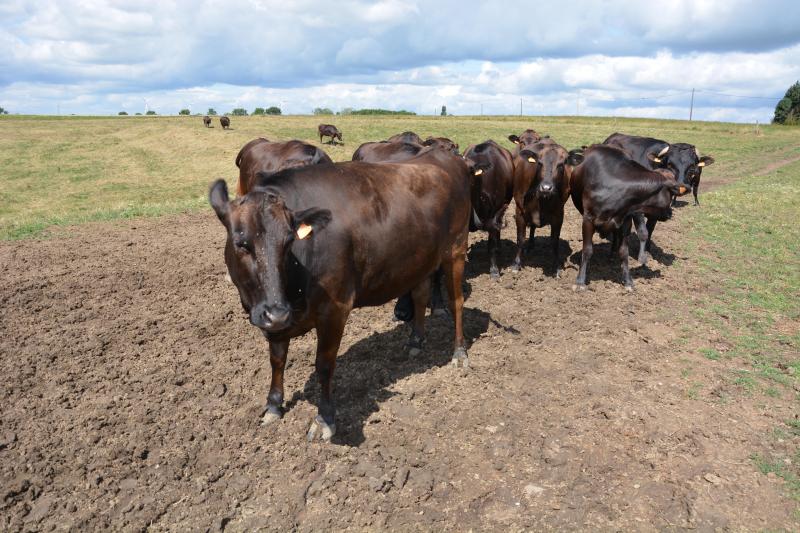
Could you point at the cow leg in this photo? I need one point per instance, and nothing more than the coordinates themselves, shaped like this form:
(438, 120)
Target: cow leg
(420, 295)
(695, 189)
(277, 359)
(642, 233)
(494, 244)
(623, 233)
(329, 337)
(438, 307)
(454, 276)
(586, 255)
(555, 240)
(650, 227)
(520, 221)
(404, 308)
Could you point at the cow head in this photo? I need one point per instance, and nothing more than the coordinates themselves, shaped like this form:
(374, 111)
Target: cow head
(658, 205)
(261, 230)
(527, 138)
(443, 143)
(552, 167)
(683, 161)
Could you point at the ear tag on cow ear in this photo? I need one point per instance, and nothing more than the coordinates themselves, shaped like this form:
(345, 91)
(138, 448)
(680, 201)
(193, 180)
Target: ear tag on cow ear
(531, 160)
(701, 164)
(682, 189)
(656, 160)
(303, 231)
(479, 172)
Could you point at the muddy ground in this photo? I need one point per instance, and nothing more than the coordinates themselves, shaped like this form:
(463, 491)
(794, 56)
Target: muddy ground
(133, 387)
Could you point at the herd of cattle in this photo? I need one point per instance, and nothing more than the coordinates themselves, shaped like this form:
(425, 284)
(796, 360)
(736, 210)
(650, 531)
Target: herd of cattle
(308, 240)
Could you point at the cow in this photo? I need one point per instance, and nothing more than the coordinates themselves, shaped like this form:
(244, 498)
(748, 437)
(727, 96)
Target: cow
(527, 138)
(405, 137)
(386, 152)
(304, 250)
(492, 170)
(263, 156)
(329, 130)
(542, 172)
(207, 121)
(680, 158)
(225, 122)
(608, 188)
(441, 142)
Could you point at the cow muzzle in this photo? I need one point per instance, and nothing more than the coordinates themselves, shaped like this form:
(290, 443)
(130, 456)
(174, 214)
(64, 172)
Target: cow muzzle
(270, 317)
(545, 190)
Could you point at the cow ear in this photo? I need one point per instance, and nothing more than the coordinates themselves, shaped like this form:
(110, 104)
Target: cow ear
(309, 221)
(218, 198)
(705, 161)
(479, 168)
(575, 157)
(528, 156)
(514, 139)
(429, 141)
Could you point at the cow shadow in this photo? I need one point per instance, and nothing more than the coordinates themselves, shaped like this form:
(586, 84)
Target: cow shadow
(656, 252)
(366, 372)
(540, 256)
(605, 265)
(680, 203)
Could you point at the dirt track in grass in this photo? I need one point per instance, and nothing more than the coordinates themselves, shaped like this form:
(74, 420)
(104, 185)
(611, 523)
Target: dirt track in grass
(133, 387)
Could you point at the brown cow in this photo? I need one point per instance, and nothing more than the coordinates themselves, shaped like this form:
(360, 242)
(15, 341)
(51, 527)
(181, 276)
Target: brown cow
(386, 152)
(329, 130)
(261, 155)
(608, 188)
(405, 137)
(225, 122)
(528, 137)
(207, 121)
(441, 142)
(303, 251)
(541, 187)
(492, 170)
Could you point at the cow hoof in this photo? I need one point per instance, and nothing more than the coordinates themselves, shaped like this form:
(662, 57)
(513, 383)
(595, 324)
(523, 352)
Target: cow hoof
(643, 259)
(321, 428)
(558, 273)
(515, 268)
(228, 278)
(629, 288)
(460, 358)
(270, 417)
(579, 287)
(494, 273)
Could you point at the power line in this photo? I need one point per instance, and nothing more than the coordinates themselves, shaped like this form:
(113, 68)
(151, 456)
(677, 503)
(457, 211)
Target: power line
(740, 95)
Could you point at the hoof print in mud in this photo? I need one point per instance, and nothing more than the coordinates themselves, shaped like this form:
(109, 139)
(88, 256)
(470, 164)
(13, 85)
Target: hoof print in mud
(320, 428)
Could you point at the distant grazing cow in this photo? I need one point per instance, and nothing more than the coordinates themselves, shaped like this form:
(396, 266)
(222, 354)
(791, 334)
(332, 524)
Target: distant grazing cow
(303, 251)
(329, 130)
(680, 158)
(607, 189)
(542, 172)
(225, 122)
(263, 157)
(441, 142)
(405, 137)
(492, 172)
(207, 121)
(386, 152)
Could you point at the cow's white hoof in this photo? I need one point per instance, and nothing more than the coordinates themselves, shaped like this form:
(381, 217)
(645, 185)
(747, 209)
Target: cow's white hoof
(321, 428)
(578, 287)
(269, 417)
(228, 278)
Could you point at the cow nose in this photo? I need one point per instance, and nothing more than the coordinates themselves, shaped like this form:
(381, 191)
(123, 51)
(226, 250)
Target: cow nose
(271, 317)
(546, 187)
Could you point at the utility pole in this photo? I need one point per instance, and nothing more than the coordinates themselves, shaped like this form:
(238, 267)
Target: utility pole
(481, 109)
(578, 104)
(691, 106)
(520, 107)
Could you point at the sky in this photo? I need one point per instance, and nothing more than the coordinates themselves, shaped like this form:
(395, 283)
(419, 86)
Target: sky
(601, 58)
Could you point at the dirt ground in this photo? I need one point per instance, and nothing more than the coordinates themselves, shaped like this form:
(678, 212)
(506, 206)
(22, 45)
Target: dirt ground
(133, 388)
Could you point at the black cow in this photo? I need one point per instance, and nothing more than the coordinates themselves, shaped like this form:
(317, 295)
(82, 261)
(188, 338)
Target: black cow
(329, 130)
(225, 122)
(542, 172)
(492, 187)
(207, 121)
(608, 188)
(316, 242)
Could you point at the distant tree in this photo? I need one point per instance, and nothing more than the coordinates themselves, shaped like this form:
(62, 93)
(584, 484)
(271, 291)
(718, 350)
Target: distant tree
(258, 111)
(138, 114)
(322, 111)
(788, 109)
(346, 111)
(184, 112)
(211, 112)
(3, 111)
(444, 111)
(380, 112)
(273, 110)
(239, 112)
(151, 112)
(122, 113)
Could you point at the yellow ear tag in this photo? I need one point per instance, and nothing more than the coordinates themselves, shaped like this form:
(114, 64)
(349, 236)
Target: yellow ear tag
(682, 189)
(303, 231)
(531, 160)
(479, 172)
(701, 164)
(656, 160)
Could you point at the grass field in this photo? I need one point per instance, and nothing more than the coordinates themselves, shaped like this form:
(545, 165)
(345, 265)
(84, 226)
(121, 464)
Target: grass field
(67, 170)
